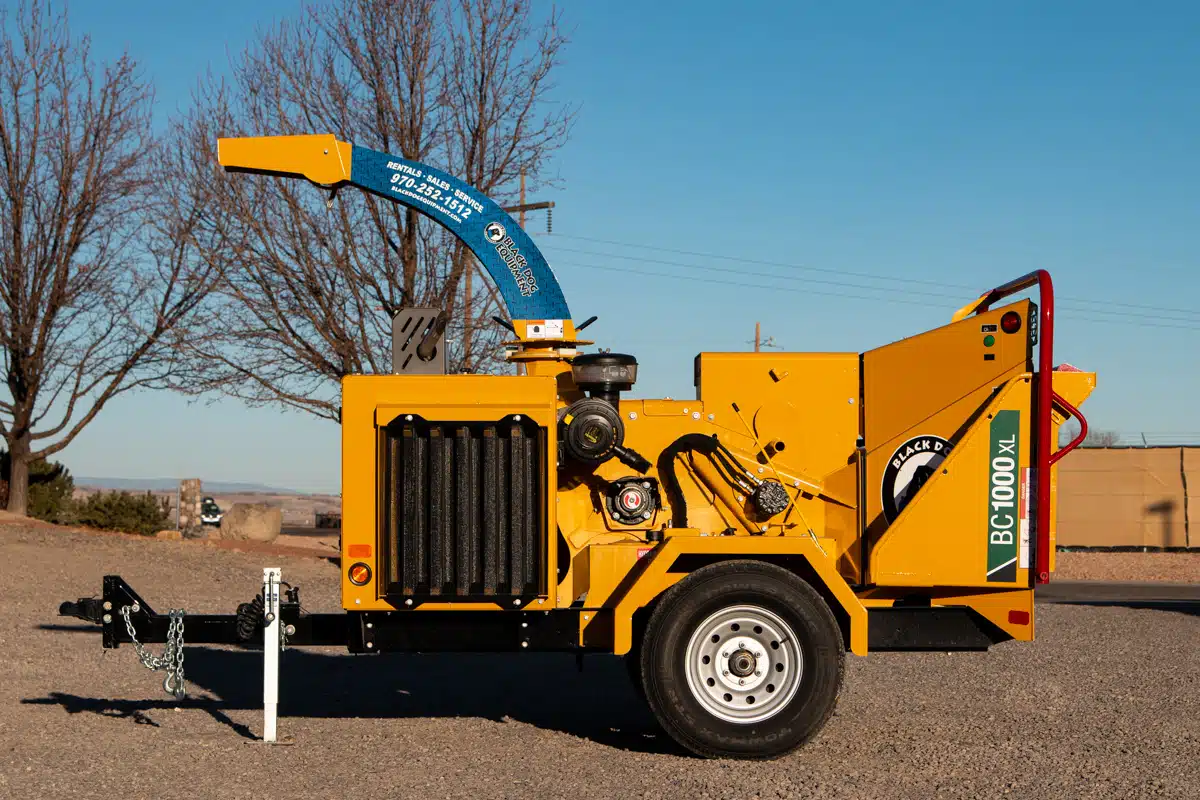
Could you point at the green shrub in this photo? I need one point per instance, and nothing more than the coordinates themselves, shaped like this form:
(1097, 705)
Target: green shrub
(50, 489)
(122, 511)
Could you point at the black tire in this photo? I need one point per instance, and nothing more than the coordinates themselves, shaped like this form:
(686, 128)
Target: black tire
(703, 598)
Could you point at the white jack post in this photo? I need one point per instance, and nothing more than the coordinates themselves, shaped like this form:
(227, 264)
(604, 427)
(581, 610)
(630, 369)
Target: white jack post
(271, 643)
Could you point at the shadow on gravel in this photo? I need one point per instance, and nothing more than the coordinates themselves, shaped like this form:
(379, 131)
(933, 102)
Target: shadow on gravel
(1189, 607)
(545, 690)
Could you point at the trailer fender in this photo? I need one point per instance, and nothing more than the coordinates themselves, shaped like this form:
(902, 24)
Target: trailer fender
(662, 568)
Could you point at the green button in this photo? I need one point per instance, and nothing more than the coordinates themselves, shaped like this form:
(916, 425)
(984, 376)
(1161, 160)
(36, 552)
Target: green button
(989, 340)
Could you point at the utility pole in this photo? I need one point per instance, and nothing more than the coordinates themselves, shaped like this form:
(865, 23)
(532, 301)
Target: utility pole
(759, 342)
(520, 210)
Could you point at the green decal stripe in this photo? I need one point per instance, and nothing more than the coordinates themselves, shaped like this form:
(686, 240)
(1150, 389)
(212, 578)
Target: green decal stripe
(1004, 496)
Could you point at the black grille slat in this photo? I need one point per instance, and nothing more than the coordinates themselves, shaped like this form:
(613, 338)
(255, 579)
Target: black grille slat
(466, 493)
(441, 513)
(461, 511)
(491, 517)
(413, 499)
(517, 515)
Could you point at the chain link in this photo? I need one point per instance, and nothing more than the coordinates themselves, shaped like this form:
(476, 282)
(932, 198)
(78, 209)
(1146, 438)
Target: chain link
(172, 658)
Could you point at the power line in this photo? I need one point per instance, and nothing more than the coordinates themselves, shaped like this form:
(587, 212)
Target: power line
(807, 281)
(818, 292)
(867, 275)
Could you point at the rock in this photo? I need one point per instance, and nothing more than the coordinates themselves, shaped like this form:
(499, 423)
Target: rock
(194, 532)
(256, 522)
(171, 535)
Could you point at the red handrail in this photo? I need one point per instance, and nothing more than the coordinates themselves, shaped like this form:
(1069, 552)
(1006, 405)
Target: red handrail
(1043, 404)
(1083, 428)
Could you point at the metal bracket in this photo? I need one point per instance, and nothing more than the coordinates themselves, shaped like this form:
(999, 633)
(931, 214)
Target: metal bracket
(419, 341)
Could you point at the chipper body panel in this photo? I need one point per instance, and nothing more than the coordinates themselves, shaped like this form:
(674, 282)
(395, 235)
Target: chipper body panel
(730, 547)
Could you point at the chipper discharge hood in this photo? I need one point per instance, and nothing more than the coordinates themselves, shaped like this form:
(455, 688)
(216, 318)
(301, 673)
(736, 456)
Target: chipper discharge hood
(731, 547)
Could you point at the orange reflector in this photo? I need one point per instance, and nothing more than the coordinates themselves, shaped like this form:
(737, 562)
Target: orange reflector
(1018, 617)
(359, 574)
(359, 551)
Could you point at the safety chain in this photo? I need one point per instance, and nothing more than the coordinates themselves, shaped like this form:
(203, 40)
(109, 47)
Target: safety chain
(172, 658)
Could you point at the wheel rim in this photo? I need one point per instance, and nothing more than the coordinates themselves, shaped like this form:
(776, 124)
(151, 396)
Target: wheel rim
(744, 664)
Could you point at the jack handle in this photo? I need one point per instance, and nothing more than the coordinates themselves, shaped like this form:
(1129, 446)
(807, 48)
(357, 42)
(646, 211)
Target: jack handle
(1059, 400)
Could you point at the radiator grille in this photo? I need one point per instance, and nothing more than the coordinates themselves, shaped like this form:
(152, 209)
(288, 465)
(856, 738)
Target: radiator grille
(461, 508)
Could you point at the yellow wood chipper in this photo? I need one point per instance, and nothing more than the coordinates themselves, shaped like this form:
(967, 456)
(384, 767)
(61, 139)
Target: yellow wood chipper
(731, 547)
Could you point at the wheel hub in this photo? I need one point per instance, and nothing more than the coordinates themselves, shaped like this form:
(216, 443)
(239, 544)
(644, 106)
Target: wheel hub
(742, 663)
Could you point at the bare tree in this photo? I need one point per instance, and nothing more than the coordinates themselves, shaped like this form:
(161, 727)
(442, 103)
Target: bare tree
(90, 298)
(307, 291)
(1094, 438)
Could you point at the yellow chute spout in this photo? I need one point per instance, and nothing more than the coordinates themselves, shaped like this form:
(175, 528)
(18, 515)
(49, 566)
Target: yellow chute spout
(320, 158)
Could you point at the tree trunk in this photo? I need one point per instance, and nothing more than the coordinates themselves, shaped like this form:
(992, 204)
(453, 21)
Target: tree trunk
(18, 474)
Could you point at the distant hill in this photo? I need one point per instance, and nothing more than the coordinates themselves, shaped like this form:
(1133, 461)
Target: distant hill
(170, 484)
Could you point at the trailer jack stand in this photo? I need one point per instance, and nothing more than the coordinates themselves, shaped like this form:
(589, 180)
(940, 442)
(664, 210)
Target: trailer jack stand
(272, 644)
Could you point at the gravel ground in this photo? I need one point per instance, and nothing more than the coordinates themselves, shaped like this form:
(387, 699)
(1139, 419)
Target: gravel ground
(1104, 704)
(1100, 566)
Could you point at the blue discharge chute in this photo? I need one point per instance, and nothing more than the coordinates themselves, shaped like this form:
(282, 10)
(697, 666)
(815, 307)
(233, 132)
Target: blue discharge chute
(521, 273)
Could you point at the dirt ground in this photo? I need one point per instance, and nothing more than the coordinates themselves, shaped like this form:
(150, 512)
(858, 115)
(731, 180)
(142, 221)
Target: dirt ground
(1140, 567)
(1104, 704)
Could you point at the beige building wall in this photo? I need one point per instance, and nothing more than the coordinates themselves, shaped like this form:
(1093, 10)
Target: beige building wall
(1128, 497)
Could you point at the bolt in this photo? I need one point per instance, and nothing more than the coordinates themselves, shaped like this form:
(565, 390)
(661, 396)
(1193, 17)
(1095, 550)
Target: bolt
(524, 624)
(760, 470)
(107, 606)
(741, 499)
(741, 681)
(585, 616)
(357, 602)
(517, 602)
(685, 411)
(524, 644)
(108, 617)
(645, 484)
(136, 607)
(758, 672)
(408, 417)
(541, 600)
(290, 630)
(633, 415)
(517, 418)
(724, 672)
(370, 624)
(326, 152)
(646, 515)
(741, 645)
(370, 645)
(710, 417)
(724, 655)
(695, 415)
(408, 602)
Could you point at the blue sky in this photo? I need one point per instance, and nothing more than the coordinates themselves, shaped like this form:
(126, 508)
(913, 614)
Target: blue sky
(938, 147)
